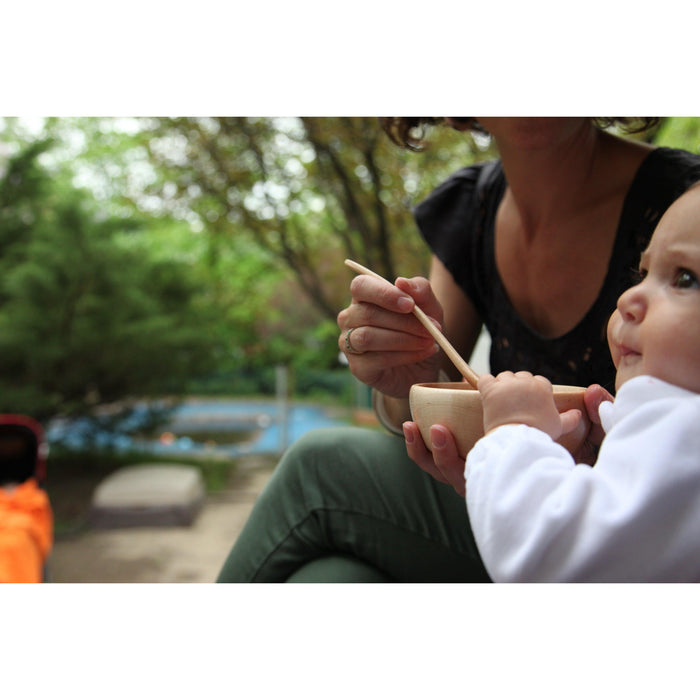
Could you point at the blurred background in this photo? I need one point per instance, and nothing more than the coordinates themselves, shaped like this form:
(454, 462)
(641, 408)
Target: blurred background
(169, 286)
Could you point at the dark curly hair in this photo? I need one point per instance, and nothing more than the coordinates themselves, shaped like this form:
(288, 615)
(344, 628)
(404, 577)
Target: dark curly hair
(402, 130)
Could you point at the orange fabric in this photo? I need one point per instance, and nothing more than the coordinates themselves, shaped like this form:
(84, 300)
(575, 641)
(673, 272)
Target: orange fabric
(26, 533)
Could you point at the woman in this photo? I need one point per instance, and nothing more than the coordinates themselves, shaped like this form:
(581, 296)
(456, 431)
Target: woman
(537, 246)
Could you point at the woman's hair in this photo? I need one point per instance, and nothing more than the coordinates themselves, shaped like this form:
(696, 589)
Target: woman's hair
(409, 132)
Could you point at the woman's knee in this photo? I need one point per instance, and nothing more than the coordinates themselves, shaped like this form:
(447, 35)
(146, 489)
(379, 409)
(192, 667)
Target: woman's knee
(328, 465)
(323, 447)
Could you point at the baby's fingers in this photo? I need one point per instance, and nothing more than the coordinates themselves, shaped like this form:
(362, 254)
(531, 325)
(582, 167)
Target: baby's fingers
(486, 380)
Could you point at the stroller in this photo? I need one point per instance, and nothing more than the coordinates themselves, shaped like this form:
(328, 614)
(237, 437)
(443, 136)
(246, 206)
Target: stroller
(26, 520)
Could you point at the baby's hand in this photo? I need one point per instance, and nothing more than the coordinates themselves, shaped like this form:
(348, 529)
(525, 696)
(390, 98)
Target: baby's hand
(523, 398)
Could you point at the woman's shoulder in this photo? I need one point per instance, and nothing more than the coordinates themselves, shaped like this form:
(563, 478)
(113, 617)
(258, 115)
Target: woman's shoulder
(673, 165)
(454, 202)
(465, 182)
(662, 177)
(676, 156)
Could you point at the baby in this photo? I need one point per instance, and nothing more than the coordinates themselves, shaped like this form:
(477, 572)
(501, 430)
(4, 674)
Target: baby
(634, 515)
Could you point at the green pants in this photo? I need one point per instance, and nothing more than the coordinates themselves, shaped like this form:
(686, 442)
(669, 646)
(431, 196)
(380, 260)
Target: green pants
(348, 505)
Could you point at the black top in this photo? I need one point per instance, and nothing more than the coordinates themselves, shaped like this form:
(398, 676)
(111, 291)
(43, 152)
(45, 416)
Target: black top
(457, 221)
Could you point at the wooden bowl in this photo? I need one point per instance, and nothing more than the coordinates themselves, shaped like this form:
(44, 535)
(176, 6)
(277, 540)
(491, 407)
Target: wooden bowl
(458, 407)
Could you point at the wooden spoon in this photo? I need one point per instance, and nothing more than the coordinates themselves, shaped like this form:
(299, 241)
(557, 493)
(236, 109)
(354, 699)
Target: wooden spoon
(465, 370)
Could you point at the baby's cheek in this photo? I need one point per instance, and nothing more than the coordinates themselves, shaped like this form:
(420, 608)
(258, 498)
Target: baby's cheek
(613, 325)
(616, 355)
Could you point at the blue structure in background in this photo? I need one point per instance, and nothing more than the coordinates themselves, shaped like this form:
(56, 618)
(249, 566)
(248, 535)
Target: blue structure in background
(273, 426)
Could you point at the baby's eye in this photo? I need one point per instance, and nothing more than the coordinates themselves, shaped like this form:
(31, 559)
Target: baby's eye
(685, 279)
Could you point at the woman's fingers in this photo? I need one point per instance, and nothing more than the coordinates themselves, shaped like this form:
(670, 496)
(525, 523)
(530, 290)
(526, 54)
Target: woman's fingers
(419, 453)
(443, 462)
(570, 420)
(447, 459)
(593, 397)
(421, 291)
(365, 288)
(363, 339)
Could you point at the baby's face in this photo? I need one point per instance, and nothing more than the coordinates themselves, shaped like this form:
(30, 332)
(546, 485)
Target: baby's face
(655, 329)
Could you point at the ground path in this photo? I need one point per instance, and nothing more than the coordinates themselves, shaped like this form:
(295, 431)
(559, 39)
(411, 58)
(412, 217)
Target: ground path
(163, 554)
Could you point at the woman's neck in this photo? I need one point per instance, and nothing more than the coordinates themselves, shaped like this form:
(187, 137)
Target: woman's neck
(560, 213)
(549, 184)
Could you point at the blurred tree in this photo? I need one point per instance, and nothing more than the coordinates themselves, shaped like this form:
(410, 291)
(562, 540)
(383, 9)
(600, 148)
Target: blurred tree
(275, 205)
(86, 314)
(309, 191)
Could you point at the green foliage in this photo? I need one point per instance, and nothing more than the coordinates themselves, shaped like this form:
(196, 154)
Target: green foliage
(309, 192)
(680, 132)
(83, 317)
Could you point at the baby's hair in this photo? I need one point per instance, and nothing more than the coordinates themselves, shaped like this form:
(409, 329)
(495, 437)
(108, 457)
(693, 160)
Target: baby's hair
(409, 132)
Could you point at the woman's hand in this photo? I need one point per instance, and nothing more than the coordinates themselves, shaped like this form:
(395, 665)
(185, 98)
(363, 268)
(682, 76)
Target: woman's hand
(588, 452)
(444, 462)
(389, 349)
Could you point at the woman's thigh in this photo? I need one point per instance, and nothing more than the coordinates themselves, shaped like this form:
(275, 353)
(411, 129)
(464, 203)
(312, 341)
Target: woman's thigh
(355, 492)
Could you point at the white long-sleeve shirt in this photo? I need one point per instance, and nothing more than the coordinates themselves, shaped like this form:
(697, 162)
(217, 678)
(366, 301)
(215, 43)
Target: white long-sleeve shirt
(635, 516)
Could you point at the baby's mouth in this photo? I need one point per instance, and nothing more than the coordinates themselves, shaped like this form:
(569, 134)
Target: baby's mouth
(627, 354)
(621, 341)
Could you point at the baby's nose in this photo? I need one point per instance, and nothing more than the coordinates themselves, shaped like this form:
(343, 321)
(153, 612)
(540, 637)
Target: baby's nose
(632, 304)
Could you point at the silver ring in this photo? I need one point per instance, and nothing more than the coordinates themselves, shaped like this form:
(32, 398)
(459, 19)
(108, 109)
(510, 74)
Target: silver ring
(348, 347)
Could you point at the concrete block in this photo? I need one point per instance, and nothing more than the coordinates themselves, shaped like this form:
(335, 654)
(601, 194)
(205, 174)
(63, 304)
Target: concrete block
(148, 495)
